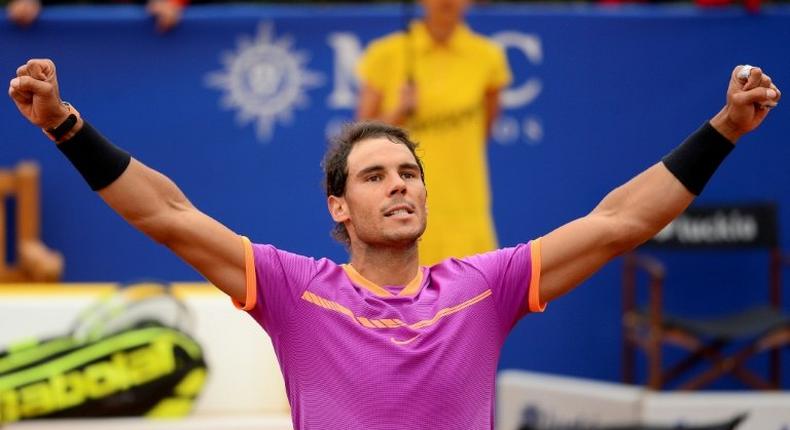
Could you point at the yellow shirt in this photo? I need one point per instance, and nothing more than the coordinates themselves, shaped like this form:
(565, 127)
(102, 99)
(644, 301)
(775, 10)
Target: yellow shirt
(449, 126)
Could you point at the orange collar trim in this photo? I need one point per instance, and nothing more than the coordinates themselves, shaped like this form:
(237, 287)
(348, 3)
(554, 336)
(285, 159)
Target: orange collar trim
(378, 290)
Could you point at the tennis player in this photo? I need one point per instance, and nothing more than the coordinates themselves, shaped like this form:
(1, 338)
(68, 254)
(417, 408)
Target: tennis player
(380, 342)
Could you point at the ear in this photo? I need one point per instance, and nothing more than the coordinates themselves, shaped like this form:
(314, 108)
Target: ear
(337, 208)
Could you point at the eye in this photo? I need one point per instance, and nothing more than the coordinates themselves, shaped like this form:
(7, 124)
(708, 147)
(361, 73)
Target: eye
(408, 175)
(373, 178)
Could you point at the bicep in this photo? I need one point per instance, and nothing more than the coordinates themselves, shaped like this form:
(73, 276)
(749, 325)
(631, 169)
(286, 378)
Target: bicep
(575, 251)
(152, 203)
(369, 105)
(212, 249)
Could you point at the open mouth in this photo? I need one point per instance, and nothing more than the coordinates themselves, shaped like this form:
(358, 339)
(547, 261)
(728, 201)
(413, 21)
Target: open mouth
(398, 210)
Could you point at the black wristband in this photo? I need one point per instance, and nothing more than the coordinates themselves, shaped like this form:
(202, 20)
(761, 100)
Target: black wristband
(695, 161)
(99, 162)
(65, 127)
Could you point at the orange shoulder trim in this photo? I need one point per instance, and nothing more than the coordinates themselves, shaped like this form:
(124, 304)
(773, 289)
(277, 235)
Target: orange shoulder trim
(251, 298)
(534, 283)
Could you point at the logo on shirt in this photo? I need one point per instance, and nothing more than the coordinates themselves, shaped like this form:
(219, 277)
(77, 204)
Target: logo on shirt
(264, 79)
(393, 323)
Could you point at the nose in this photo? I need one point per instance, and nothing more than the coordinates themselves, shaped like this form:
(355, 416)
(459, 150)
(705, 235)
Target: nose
(397, 185)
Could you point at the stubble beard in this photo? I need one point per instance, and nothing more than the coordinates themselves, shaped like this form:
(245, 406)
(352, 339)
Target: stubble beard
(391, 239)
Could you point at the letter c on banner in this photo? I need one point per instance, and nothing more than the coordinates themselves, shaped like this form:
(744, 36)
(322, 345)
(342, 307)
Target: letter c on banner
(531, 46)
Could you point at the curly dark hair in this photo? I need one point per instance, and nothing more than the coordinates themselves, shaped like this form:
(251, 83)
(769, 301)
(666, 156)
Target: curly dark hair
(335, 163)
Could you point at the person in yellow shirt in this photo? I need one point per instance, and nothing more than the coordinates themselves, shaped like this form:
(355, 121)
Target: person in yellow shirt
(442, 81)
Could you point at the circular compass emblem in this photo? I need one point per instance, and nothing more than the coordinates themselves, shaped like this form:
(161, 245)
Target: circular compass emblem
(264, 80)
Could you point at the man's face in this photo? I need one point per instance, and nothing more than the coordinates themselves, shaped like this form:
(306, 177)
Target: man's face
(384, 201)
(445, 10)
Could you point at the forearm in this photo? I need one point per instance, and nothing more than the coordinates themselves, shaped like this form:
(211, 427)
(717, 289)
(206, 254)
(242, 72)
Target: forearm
(631, 214)
(647, 203)
(148, 200)
(145, 198)
(154, 205)
(641, 207)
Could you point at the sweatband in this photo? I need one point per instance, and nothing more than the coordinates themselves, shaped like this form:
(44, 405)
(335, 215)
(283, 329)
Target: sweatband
(695, 160)
(99, 162)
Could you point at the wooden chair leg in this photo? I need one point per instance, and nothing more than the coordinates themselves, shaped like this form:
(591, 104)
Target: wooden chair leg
(709, 351)
(27, 202)
(629, 359)
(655, 380)
(6, 186)
(628, 363)
(775, 371)
(751, 379)
(727, 365)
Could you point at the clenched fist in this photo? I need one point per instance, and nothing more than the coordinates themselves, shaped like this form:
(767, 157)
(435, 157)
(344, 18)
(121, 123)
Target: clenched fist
(36, 95)
(750, 96)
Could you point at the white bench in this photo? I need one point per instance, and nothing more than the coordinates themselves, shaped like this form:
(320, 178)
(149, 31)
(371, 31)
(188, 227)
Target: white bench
(564, 400)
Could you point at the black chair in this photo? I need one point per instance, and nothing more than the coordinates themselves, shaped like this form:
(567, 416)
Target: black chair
(755, 329)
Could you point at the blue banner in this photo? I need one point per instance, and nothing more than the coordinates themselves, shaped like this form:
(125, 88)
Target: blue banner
(235, 105)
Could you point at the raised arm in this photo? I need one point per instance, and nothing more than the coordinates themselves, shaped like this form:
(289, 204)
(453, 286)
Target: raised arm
(634, 212)
(145, 198)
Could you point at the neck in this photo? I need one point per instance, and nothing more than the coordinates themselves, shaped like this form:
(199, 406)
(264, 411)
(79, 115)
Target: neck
(386, 266)
(440, 30)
